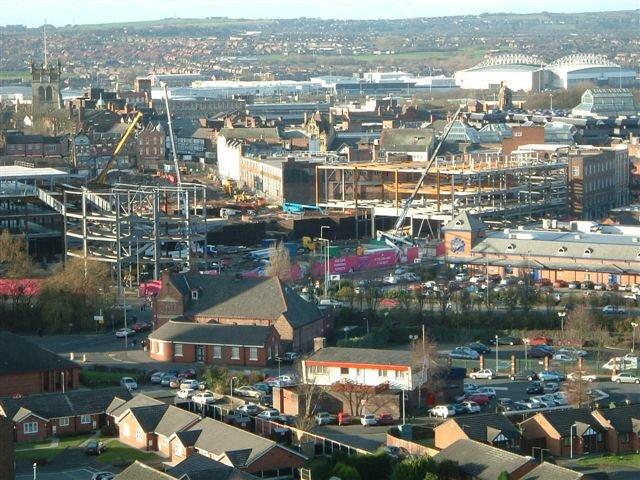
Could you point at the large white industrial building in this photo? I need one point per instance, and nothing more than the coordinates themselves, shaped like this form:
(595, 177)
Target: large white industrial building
(529, 73)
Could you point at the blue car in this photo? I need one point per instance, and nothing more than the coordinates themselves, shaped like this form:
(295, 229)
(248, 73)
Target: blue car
(550, 376)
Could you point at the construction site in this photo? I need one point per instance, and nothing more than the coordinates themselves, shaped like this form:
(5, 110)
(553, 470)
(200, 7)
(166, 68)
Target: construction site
(522, 186)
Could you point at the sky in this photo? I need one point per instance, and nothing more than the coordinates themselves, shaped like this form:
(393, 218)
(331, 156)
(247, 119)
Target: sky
(63, 12)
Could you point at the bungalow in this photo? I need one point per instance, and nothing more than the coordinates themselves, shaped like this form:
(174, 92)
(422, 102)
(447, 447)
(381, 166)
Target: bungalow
(478, 461)
(118, 406)
(560, 431)
(546, 471)
(195, 467)
(237, 448)
(622, 426)
(493, 429)
(38, 417)
(149, 427)
(228, 345)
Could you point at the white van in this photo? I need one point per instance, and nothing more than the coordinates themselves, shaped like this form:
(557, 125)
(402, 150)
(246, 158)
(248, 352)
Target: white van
(627, 362)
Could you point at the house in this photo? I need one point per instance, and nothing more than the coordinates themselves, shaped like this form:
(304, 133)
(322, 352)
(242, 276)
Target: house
(139, 471)
(546, 471)
(199, 467)
(37, 417)
(235, 447)
(149, 427)
(478, 461)
(561, 430)
(229, 300)
(622, 425)
(229, 345)
(28, 369)
(118, 406)
(7, 449)
(414, 142)
(493, 429)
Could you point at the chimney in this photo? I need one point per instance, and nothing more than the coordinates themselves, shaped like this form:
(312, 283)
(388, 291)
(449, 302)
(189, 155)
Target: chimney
(319, 343)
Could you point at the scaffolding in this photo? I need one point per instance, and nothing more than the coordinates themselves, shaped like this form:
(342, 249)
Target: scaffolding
(136, 226)
(520, 186)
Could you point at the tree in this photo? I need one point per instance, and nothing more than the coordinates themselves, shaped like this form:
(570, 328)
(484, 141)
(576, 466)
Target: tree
(347, 295)
(504, 476)
(345, 472)
(279, 262)
(372, 296)
(577, 389)
(415, 468)
(431, 476)
(14, 256)
(312, 395)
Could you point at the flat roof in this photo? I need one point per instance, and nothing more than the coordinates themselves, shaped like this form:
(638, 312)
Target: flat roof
(17, 172)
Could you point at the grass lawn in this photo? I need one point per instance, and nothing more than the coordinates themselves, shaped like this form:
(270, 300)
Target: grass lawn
(44, 450)
(630, 460)
(119, 453)
(92, 378)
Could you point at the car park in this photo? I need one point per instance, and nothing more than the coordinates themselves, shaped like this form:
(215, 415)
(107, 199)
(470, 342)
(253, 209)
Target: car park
(94, 447)
(124, 333)
(248, 391)
(464, 353)
(325, 418)
(625, 377)
(204, 398)
(129, 383)
(485, 373)
(471, 407)
(250, 409)
(443, 411)
(529, 375)
(185, 393)
(344, 418)
(368, 420)
(269, 414)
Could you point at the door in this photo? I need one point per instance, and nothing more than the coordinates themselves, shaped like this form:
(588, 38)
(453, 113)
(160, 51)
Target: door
(199, 353)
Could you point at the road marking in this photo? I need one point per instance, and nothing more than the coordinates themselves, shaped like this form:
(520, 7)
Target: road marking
(113, 357)
(499, 388)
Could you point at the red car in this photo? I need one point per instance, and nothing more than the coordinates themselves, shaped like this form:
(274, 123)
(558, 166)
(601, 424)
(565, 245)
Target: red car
(187, 374)
(385, 419)
(540, 341)
(141, 327)
(479, 398)
(344, 418)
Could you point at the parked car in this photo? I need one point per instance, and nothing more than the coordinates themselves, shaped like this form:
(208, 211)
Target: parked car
(139, 327)
(560, 399)
(573, 285)
(505, 340)
(479, 398)
(551, 376)
(479, 347)
(537, 341)
(484, 373)
(488, 391)
(584, 377)
(129, 383)
(175, 382)
(368, 420)
(248, 391)
(459, 408)
(541, 352)
(329, 303)
(470, 387)
(563, 357)
(190, 383)
(531, 403)
(464, 353)
(397, 453)
(550, 387)
(471, 407)
(95, 447)
(250, 409)
(529, 375)
(613, 310)
(185, 393)
(288, 357)
(344, 418)
(103, 476)
(385, 419)
(156, 377)
(269, 414)
(535, 388)
(625, 377)
(443, 411)
(574, 352)
(204, 398)
(124, 332)
(167, 378)
(263, 387)
(325, 418)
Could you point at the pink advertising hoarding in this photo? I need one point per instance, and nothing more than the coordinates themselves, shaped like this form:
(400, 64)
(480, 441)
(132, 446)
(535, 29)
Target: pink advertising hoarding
(373, 260)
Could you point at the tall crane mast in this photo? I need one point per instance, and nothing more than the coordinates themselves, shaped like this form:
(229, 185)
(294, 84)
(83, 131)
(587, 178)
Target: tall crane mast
(396, 237)
(171, 136)
(100, 179)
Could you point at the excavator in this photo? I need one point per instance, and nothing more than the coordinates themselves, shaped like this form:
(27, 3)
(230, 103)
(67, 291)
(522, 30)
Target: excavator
(102, 176)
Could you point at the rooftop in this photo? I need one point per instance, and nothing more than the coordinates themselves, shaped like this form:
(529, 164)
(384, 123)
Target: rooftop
(16, 172)
(211, 333)
(13, 359)
(362, 356)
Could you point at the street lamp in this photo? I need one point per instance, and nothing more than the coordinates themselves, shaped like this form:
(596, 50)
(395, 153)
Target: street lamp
(366, 319)
(526, 344)
(279, 360)
(326, 259)
(561, 316)
(35, 470)
(497, 344)
(633, 335)
(232, 379)
(571, 439)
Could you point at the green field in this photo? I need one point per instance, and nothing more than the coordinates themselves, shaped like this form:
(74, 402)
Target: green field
(631, 460)
(118, 453)
(46, 450)
(14, 74)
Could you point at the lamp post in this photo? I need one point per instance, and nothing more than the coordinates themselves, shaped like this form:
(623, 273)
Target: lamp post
(326, 259)
(561, 316)
(35, 470)
(497, 348)
(526, 345)
(366, 319)
(633, 336)
(571, 439)
(279, 360)
(232, 379)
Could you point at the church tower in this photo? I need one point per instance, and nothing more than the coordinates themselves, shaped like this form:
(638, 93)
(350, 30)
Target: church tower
(45, 86)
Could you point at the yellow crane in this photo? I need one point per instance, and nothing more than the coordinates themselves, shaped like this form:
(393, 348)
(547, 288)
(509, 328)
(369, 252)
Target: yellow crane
(100, 179)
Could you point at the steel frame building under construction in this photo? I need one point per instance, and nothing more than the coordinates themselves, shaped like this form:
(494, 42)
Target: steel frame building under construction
(523, 185)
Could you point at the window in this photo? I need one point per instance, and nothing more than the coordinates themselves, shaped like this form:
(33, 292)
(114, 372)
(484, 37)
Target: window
(63, 422)
(194, 294)
(588, 252)
(562, 250)
(253, 353)
(511, 246)
(383, 373)
(85, 419)
(235, 353)
(600, 437)
(178, 349)
(359, 372)
(31, 427)
(575, 171)
(139, 434)
(344, 371)
(318, 369)
(217, 351)
(517, 134)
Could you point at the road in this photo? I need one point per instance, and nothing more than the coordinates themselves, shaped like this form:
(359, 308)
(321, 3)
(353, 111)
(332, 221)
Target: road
(84, 473)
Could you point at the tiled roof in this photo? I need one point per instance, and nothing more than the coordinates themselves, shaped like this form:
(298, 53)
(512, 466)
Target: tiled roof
(548, 471)
(13, 359)
(362, 356)
(140, 471)
(213, 334)
(465, 222)
(199, 467)
(263, 298)
(481, 461)
(163, 419)
(485, 427)
(118, 407)
(258, 133)
(622, 418)
(562, 420)
(69, 404)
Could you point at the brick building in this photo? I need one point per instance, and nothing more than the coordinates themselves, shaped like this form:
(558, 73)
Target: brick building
(215, 344)
(521, 135)
(150, 144)
(27, 369)
(622, 426)
(20, 145)
(493, 429)
(7, 449)
(248, 301)
(38, 417)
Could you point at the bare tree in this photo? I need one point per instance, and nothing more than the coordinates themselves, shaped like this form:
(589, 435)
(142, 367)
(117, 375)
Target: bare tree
(372, 297)
(432, 376)
(355, 394)
(577, 389)
(312, 396)
(14, 256)
(279, 262)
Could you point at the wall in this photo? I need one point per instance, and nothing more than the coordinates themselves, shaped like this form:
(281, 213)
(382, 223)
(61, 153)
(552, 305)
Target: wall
(362, 374)
(447, 433)
(42, 433)
(129, 438)
(411, 447)
(533, 135)
(37, 382)
(189, 354)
